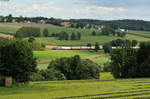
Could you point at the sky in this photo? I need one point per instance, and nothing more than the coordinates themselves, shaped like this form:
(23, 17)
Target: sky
(79, 9)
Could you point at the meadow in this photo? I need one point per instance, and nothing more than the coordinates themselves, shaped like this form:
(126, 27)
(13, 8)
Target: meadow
(85, 39)
(144, 34)
(44, 57)
(81, 89)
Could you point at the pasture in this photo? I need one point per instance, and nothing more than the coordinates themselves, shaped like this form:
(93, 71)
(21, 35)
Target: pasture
(85, 39)
(81, 89)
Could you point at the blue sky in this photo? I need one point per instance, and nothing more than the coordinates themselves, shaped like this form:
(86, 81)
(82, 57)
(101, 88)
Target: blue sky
(93, 9)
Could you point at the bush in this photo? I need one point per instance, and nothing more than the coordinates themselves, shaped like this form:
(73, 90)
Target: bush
(74, 68)
(88, 70)
(51, 74)
(36, 77)
(37, 45)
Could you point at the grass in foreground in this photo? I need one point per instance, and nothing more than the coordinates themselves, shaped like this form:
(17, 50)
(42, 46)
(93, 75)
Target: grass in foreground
(113, 88)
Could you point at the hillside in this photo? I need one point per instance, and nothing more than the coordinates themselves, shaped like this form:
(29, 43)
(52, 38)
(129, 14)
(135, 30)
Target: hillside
(86, 38)
(129, 24)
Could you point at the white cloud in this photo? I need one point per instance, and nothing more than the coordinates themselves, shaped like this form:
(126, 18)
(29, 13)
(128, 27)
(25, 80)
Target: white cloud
(54, 8)
(36, 9)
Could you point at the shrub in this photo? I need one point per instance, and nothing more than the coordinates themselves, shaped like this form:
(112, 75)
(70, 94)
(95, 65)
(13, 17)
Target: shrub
(75, 68)
(36, 77)
(88, 70)
(31, 39)
(51, 74)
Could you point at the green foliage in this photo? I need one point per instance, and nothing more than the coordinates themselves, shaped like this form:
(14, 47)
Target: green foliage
(107, 31)
(78, 36)
(52, 74)
(107, 67)
(134, 43)
(37, 45)
(93, 33)
(96, 47)
(2, 81)
(16, 60)
(27, 32)
(88, 70)
(120, 42)
(31, 39)
(130, 63)
(46, 32)
(73, 36)
(36, 77)
(72, 68)
(123, 61)
(121, 34)
(63, 36)
(3, 40)
(107, 48)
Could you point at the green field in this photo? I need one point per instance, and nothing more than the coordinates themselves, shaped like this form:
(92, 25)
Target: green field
(52, 54)
(86, 36)
(144, 34)
(89, 89)
(44, 57)
(9, 29)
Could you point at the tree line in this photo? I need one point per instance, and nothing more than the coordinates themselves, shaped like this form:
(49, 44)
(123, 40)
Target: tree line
(128, 24)
(107, 31)
(128, 62)
(107, 47)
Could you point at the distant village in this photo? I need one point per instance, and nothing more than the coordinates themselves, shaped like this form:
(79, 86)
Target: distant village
(58, 22)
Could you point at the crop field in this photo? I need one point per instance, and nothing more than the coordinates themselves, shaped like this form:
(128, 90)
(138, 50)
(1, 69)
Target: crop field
(81, 89)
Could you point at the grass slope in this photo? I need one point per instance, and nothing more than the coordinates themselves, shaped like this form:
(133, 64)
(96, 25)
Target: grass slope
(86, 35)
(93, 89)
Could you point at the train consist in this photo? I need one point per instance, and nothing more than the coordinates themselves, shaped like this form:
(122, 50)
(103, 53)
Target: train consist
(78, 47)
(72, 47)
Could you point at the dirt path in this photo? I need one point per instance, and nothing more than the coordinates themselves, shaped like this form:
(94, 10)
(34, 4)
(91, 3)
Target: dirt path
(6, 36)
